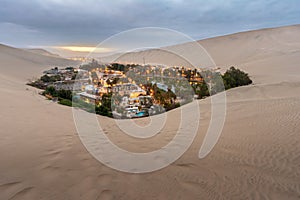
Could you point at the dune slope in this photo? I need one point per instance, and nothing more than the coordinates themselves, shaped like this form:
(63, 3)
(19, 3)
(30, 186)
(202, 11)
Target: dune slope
(24, 64)
(252, 51)
(42, 52)
(257, 156)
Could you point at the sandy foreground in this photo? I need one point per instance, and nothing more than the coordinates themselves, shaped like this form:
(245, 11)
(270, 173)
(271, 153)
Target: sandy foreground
(257, 156)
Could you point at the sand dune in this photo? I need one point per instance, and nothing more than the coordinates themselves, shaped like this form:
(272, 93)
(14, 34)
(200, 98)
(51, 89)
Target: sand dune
(245, 47)
(233, 49)
(253, 51)
(23, 64)
(42, 52)
(257, 156)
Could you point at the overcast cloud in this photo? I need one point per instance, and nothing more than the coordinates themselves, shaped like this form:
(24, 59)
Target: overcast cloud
(74, 22)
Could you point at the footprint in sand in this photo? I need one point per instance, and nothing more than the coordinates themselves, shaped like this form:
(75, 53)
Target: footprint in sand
(22, 194)
(105, 195)
(14, 190)
(7, 189)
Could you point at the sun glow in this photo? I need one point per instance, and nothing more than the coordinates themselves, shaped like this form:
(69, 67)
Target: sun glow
(86, 49)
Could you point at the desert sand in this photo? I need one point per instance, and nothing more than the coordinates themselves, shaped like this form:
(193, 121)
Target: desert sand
(41, 52)
(257, 156)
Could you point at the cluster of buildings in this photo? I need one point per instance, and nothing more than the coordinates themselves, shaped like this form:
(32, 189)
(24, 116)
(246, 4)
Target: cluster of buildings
(68, 78)
(131, 97)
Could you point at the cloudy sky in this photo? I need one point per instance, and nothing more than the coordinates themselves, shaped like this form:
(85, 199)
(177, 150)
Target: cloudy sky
(65, 23)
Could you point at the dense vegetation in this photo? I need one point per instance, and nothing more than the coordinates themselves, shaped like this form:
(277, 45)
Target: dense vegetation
(217, 83)
(114, 66)
(48, 79)
(235, 78)
(105, 108)
(61, 94)
(64, 97)
(201, 90)
(164, 98)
